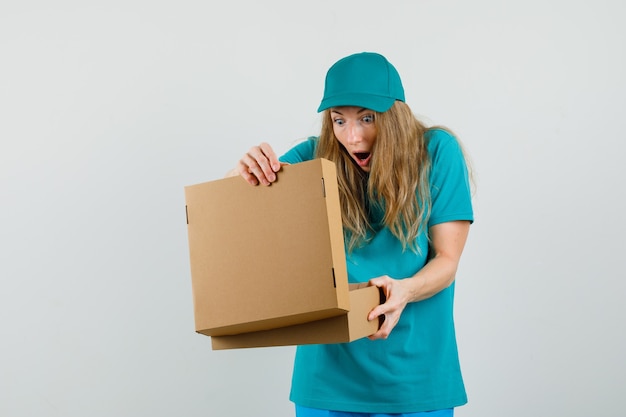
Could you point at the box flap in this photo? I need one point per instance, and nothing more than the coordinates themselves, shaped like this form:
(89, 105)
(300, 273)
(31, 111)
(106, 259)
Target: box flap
(341, 329)
(264, 257)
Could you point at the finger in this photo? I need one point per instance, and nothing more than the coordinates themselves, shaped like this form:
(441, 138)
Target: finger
(376, 312)
(246, 173)
(382, 333)
(259, 161)
(389, 322)
(253, 163)
(383, 283)
(267, 161)
(269, 153)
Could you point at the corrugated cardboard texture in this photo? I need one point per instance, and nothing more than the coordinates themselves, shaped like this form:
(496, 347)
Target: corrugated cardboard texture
(266, 257)
(342, 329)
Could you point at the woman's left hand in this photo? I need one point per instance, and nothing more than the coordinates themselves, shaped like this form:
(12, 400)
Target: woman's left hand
(397, 294)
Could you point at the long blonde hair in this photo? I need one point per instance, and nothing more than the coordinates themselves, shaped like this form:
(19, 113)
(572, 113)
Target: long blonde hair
(398, 181)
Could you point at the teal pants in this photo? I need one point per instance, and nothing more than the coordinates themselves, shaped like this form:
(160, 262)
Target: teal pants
(314, 412)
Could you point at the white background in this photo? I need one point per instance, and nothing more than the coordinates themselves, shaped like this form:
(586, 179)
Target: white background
(108, 110)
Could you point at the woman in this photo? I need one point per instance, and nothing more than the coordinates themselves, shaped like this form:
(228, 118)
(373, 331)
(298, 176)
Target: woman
(406, 210)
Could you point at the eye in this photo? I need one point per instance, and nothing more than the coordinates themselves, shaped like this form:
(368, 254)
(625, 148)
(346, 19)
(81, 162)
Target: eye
(368, 118)
(338, 121)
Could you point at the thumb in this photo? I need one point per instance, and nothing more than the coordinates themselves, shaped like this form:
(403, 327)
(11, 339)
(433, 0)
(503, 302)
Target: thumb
(376, 312)
(377, 282)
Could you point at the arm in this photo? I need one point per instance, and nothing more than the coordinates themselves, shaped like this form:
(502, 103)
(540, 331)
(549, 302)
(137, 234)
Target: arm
(447, 242)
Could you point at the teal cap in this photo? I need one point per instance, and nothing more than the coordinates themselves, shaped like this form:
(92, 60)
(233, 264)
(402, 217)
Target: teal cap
(365, 79)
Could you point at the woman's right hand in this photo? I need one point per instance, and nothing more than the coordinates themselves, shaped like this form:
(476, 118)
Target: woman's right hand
(259, 165)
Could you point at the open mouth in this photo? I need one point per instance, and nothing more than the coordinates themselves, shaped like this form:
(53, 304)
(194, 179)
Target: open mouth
(363, 159)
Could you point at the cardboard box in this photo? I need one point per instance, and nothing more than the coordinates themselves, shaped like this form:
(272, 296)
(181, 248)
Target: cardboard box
(266, 258)
(340, 329)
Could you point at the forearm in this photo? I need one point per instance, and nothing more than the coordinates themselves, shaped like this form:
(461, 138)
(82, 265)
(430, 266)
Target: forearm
(448, 241)
(438, 274)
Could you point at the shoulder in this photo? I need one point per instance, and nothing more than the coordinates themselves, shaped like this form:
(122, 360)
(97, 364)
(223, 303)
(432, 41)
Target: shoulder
(438, 138)
(303, 151)
(442, 145)
(449, 179)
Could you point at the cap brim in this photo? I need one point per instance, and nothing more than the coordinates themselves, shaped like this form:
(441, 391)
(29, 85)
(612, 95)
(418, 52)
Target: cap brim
(377, 103)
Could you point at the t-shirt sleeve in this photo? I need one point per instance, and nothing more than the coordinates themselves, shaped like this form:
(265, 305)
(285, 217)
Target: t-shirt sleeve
(449, 182)
(303, 151)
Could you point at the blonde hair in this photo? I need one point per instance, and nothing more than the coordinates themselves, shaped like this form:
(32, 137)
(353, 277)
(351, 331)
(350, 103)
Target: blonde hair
(397, 184)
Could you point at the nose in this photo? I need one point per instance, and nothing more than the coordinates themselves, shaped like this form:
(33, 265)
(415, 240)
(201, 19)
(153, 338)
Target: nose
(354, 133)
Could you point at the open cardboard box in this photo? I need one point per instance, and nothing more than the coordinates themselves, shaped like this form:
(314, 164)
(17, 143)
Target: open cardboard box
(339, 329)
(268, 265)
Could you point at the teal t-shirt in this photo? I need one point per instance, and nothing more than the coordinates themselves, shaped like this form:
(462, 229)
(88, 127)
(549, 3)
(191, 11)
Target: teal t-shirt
(417, 367)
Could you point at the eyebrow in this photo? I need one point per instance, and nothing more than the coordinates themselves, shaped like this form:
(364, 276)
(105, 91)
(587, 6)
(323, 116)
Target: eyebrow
(360, 111)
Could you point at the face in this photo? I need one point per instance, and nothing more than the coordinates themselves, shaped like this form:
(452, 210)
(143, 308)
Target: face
(355, 129)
